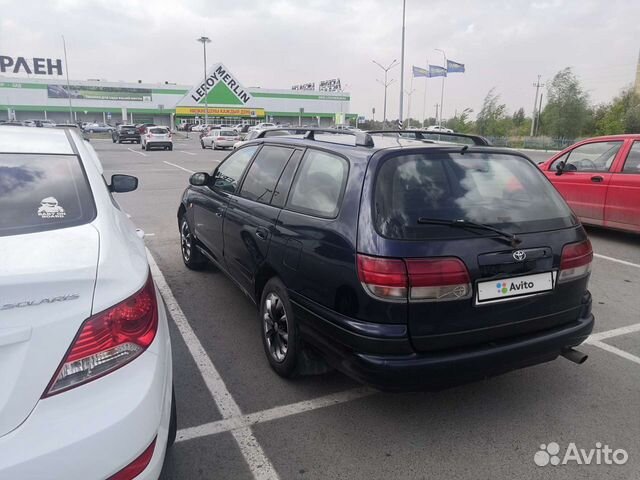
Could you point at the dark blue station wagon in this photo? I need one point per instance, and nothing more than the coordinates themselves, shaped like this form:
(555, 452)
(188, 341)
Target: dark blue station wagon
(404, 263)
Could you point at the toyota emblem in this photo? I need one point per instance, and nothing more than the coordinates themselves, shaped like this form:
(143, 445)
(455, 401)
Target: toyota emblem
(519, 255)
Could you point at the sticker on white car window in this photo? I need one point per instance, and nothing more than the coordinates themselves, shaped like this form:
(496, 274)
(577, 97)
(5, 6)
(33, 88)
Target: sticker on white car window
(49, 208)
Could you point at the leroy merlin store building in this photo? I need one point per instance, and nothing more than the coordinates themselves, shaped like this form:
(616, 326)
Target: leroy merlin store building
(229, 102)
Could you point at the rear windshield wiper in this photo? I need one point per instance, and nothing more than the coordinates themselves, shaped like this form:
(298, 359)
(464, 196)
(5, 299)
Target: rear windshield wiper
(461, 223)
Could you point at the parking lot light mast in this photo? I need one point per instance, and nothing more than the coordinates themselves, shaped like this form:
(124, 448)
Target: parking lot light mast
(404, 7)
(66, 68)
(386, 84)
(444, 55)
(204, 41)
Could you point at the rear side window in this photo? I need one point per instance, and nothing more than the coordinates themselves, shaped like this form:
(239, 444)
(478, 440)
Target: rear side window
(43, 192)
(632, 164)
(230, 171)
(227, 133)
(319, 184)
(504, 191)
(158, 131)
(261, 180)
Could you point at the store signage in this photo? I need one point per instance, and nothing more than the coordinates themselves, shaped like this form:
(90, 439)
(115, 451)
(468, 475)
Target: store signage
(98, 92)
(221, 111)
(218, 74)
(31, 66)
(304, 86)
(332, 85)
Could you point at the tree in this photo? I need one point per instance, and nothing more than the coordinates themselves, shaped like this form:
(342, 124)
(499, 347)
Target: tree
(518, 117)
(491, 118)
(460, 123)
(566, 113)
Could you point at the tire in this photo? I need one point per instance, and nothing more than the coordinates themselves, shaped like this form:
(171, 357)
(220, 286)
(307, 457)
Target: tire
(191, 256)
(279, 330)
(142, 145)
(113, 139)
(170, 148)
(202, 144)
(147, 147)
(173, 421)
(120, 141)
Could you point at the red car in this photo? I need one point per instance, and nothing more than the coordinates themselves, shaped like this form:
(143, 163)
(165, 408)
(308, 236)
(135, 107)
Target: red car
(600, 179)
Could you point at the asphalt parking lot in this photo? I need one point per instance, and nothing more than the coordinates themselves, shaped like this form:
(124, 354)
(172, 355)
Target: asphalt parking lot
(237, 419)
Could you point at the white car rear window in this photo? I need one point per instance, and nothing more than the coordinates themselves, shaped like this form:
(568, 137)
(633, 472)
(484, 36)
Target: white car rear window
(43, 192)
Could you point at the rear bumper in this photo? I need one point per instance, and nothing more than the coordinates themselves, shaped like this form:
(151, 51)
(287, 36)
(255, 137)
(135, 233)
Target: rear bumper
(158, 143)
(395, 366)
(95, 430)
(129, 137)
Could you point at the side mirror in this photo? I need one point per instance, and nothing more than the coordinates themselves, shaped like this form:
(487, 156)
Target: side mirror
(123, 183)
(200, 179)
(560, 168)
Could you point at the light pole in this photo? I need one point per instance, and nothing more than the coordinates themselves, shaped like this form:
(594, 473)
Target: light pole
(204, 41)
(386, 84)
(535, 103)
(444, 55)
(409, 93)
(404, 7)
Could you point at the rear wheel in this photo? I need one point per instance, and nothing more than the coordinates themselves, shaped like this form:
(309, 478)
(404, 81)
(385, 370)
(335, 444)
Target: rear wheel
(113, 139)
(191, 256)
(119, 141)
(170, 147)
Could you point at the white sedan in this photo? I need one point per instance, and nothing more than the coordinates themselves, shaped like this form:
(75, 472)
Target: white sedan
(437, 128)
(220, 139)
(85, 356)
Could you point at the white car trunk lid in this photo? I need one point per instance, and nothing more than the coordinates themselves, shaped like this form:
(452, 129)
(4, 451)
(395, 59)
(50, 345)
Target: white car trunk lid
(46, 289)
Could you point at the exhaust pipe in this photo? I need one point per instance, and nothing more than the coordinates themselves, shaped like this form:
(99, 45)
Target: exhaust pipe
(574, 355)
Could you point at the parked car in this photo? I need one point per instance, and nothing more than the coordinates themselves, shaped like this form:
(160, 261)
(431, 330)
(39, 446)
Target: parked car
(406, 265)
(125, 133)
(86, 358)
(98, 128)
(219, 138)
(157, 137)
(200, 127)
(266, 133)
(39, 123)
(600, 179)
(437, 128)
(12, 123)
(261, 126)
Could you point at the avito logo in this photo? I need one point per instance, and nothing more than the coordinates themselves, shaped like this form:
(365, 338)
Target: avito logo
(504, 287)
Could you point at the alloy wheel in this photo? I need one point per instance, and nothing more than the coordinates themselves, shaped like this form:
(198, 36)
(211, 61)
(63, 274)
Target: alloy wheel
(186, 241)
(275, 327)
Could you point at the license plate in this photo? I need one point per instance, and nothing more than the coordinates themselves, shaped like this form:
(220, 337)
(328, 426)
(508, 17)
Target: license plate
(515, 286)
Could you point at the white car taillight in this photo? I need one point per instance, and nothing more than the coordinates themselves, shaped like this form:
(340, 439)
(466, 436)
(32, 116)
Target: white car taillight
(576, 261)
(415, 280)
(109, 340)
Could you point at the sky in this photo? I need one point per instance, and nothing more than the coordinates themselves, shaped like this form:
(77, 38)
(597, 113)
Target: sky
(504, 44)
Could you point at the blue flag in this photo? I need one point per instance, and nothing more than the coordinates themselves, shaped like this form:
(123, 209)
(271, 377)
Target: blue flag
(420, 72)
(455, 67)
(437, 71)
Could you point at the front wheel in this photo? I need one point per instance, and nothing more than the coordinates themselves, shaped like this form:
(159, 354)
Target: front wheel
(191, 256)
(279, 330)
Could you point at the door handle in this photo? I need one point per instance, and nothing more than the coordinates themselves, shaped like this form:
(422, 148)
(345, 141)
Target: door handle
(597, 179)
(218, 212)
(262, 233)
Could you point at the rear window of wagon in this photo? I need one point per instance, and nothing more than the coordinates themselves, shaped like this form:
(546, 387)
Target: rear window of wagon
(43, 192)
(504, 191)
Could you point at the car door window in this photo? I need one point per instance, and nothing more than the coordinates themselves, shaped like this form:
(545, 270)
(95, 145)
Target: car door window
(319, 184)
(263, 175)
(632, 164)
(591, 157)
(229, 173)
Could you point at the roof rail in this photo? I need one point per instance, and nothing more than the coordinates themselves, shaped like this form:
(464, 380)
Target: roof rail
(363, 139)
(424, 135)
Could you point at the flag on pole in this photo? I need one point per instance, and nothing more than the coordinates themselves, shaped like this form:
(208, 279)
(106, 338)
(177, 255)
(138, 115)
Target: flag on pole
(420, 72)
(455, 67)
(437, 71)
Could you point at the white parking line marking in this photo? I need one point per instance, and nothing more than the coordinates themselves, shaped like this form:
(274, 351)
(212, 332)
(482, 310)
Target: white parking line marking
(259, 464)
(616, 332)
(615, 351)
(135, 151)
(178, 166)
(188, 153)
(617, 260)
(275, 413)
